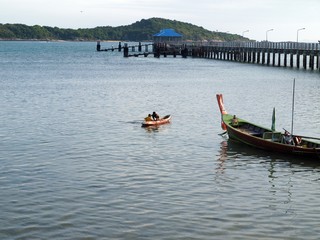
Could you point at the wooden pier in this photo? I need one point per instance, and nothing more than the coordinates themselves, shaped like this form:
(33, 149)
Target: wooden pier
(125, 47)
(278, 54)
(284, 54)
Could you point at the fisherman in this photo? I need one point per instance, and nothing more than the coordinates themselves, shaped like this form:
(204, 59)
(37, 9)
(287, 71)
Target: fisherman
(155, 116)
(287, 138)
(149, 118)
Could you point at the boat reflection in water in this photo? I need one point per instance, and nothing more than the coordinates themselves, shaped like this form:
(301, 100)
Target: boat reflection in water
(156, 128)
(152, 128)
(276, 174)
(232, 149)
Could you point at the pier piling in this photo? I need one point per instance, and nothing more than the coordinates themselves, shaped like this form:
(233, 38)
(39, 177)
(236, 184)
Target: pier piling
(119, 47)
(126, 50)
(98, 46)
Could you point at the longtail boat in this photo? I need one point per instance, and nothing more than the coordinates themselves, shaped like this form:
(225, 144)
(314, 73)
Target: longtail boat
(164, 120)
(267, 139)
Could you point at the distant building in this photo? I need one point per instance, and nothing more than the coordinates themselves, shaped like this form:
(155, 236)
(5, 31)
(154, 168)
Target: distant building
(167, 35)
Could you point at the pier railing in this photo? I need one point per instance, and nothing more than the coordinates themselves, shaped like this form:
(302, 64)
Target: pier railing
(255, 45)
(291, 54)
(272, 45)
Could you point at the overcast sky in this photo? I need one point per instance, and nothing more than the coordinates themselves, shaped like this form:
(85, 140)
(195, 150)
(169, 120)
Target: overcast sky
(233, 16)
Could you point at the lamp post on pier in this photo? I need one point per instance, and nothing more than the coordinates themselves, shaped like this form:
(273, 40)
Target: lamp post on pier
(298, 33)
(267, 33)
(244, 32)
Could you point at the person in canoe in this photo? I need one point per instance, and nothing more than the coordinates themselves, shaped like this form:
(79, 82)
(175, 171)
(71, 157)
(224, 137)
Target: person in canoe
(149, 118)
(155, 116)
(234, 122)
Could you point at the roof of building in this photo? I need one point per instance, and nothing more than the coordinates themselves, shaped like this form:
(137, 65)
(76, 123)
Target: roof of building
(167, 33)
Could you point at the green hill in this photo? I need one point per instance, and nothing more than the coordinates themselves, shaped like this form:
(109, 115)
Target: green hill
(138, 31)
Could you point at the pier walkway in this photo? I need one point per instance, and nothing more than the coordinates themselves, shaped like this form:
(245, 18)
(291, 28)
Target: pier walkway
(284, 54)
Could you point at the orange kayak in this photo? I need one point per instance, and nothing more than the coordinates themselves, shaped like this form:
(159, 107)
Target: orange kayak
(164, 120)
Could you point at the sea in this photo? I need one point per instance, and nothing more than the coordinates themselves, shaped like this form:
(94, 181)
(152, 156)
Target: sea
(75, 162)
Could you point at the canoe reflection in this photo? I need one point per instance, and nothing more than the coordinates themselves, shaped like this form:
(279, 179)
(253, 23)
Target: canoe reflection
(152, 128)
(156, 128)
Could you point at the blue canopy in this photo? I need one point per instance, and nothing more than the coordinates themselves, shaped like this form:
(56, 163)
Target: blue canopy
(167, 33)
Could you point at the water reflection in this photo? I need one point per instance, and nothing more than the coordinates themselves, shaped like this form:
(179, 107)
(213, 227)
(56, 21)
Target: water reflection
(151, 128)
(223, 157)
(240, 150)
(279, 178)
(147, 128)
(158, 128)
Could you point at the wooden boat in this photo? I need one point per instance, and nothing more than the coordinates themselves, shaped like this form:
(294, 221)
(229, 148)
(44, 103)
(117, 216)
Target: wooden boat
(164, 120)
(267, 139)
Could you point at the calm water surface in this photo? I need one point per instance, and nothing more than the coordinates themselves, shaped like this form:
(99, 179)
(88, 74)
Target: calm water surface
(76, 164)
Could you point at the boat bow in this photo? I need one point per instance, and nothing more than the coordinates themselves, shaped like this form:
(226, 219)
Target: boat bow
(222, 110)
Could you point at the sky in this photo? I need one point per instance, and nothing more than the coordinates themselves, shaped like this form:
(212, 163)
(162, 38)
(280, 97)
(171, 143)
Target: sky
(253, 19)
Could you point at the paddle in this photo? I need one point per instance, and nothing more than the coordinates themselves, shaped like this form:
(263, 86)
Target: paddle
(221, 134)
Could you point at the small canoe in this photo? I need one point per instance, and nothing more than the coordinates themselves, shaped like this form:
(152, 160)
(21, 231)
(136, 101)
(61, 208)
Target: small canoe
(267, 139)
(164, 120)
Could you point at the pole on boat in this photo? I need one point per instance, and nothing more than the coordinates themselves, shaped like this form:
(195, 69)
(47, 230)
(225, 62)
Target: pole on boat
(293, 90)
(273, 125)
